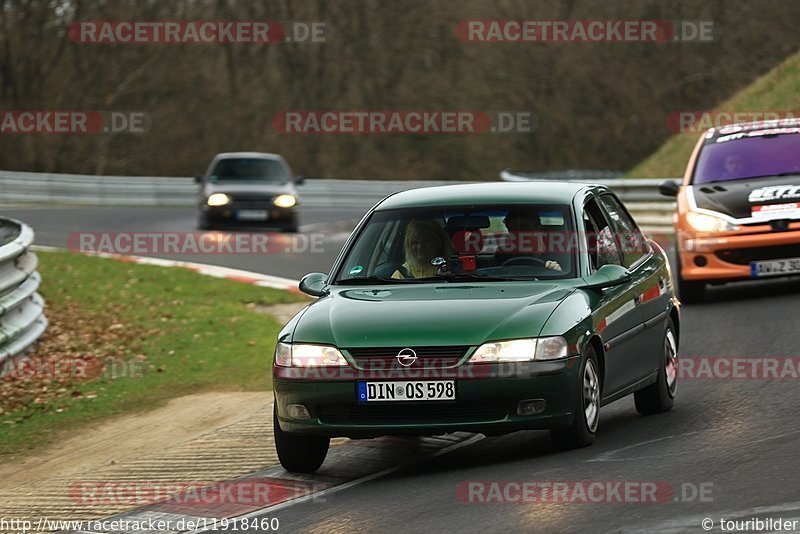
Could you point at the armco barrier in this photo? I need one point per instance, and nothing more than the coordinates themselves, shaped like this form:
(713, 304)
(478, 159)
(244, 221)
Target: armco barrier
(22, 319)
(640, 195)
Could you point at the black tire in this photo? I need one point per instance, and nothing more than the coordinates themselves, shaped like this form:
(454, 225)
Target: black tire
(581, 432)
(203, 223)
(659, 397)
(691, 292)
(298, 453)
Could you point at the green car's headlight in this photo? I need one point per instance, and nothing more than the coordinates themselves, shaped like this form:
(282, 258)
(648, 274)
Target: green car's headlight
(521, 350)
(302, 355)
(218, 199)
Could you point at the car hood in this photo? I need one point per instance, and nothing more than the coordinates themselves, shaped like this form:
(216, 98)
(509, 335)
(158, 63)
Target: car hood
(738, 198)
(265, 188)
(429, 314)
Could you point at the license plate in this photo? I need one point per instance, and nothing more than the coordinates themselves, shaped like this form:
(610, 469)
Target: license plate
(417, 390)
(252, 215)
(774, 267)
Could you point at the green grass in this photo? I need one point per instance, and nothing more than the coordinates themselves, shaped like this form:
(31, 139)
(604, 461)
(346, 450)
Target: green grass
(778, 90)
(178, 331)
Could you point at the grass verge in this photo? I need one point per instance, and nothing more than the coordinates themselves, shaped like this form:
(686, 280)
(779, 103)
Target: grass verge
(778, 90)
(125, 337)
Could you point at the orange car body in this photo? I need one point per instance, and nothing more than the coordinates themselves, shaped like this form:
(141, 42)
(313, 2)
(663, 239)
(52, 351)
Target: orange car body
(738, 228)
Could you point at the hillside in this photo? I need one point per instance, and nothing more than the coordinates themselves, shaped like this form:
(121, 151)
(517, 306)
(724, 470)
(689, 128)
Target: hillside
(777, 91)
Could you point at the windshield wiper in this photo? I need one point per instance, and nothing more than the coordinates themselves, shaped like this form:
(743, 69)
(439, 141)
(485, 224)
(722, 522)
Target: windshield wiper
(373, 280)
(457, 277)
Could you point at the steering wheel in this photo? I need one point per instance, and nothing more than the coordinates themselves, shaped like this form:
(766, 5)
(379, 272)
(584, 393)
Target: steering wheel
(524, 260)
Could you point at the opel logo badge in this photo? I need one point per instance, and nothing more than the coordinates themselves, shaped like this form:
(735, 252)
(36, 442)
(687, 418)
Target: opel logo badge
(406, 357)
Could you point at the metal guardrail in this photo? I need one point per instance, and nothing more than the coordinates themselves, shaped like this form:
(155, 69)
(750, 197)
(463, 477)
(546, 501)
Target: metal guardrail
(640, 195)
(651, 210)
(22, 319)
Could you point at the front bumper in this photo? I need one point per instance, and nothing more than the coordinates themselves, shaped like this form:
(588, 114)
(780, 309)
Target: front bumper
(727, 258)
(486, 403)
(276, 217)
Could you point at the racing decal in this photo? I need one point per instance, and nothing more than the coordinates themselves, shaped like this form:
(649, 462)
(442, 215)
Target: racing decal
(774, 211)
(774, 192)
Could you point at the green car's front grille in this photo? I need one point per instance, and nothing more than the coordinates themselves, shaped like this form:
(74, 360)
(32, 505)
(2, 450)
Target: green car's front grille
(427, 357)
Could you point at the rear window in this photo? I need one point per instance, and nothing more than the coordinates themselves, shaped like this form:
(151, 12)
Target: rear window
(748, 155)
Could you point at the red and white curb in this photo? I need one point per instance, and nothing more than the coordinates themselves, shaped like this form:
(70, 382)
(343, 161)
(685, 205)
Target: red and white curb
(238, 275)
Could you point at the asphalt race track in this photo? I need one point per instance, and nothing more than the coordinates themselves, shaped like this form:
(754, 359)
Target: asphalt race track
(727, 450)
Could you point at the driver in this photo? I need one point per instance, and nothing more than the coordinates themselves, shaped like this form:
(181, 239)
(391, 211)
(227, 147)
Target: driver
(424, 241)
(519, 221)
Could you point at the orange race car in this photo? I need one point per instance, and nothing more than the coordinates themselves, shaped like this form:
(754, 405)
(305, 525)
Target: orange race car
(738, 214)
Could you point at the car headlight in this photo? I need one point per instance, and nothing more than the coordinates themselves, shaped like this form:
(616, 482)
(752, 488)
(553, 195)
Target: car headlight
(703, 222)
(285, 201)
(302, 355)
(521, 350)
(218, 199)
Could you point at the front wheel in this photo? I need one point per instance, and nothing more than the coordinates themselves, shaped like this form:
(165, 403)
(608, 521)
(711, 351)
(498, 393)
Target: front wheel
(582, 431)
(660, 396)
(298, 453)
(691, 292)
(203, 223)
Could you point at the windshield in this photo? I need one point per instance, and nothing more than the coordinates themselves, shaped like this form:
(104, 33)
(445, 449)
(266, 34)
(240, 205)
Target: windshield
(748, 155)
(249, 169)
(490, 243)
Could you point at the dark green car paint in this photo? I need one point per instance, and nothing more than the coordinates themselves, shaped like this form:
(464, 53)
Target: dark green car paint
(629, 347)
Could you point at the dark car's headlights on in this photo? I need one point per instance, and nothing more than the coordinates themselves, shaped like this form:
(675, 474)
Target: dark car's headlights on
(285, 201)
(521, 350)
(218, 199)
(304, 355)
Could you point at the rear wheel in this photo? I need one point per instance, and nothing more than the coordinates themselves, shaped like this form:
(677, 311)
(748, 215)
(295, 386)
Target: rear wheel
(298, 453)
(582, 431)
(660, 396)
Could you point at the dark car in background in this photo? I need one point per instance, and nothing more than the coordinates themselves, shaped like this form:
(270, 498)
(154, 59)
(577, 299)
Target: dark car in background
(248, 189)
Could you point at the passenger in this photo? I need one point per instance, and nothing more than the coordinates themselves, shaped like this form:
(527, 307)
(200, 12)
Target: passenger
(424, 241)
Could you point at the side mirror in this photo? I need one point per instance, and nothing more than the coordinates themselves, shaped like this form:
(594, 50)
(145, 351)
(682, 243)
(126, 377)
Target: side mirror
(299, 180)
(198, 179)
(669, 188)
(314, 284)
(607, 276)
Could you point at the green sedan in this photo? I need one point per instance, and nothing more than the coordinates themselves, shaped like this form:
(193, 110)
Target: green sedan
(486, 308)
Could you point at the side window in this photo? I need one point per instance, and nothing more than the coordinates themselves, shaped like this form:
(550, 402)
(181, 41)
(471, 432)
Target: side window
(629, 238)
(602, 246)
